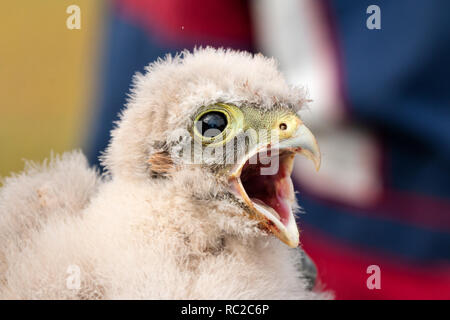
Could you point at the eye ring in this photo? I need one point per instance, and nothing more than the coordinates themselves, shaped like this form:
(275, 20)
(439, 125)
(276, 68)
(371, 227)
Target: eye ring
(234, 121)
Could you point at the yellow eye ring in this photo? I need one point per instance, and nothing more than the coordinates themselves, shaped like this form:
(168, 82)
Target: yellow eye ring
(234, 120)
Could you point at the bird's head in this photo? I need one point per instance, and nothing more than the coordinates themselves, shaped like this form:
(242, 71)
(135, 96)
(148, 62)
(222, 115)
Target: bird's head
(225, 125)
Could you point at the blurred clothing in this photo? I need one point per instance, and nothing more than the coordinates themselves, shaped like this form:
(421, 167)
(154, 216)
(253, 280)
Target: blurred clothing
(381, 112)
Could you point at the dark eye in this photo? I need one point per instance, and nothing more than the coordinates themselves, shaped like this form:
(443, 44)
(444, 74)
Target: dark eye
(211, 124)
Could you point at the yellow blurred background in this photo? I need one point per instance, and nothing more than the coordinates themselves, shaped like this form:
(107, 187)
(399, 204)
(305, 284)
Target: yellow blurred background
(47, 77)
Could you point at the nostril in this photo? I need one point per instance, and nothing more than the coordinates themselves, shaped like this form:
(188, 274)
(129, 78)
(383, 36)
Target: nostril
(283, 126)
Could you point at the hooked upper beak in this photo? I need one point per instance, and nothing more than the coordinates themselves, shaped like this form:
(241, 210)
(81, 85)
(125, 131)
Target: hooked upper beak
(271, 198)
(303, 142)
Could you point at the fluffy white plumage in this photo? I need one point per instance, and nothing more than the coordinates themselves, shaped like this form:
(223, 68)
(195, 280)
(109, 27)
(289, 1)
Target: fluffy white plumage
(132, 236)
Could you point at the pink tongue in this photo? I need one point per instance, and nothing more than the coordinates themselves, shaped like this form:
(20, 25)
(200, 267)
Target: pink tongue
(280, 205)
(277, 204)
(274, 193)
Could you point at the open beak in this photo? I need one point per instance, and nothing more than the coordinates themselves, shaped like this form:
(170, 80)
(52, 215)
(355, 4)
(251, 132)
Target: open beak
(263, 180)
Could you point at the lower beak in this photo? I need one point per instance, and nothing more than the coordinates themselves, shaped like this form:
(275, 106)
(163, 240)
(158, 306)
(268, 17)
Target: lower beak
(280, 222)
